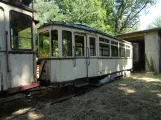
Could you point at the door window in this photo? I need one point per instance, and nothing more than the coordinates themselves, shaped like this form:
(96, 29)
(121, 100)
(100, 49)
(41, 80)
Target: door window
(79, 45)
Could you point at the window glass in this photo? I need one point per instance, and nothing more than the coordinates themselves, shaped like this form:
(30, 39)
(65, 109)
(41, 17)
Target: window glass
(104, 49)
(127, 52)
(67, 43)
(122, 52)
(122, 49)
(54, 43)
(114, 51)
(92, 46)
(79, 45)
(103, 40)
(21, 31)
(44, 46)
(114, 43)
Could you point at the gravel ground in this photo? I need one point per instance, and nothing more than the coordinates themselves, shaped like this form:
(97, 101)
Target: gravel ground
(135, 98)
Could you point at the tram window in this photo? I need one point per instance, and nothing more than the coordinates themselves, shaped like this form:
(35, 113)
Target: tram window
(92, 46)
(122, 52)
(127, 52)
(67, 43)
(114, 51)
(103, 40)
(44, 46)
(79, 45)
(21, 31)
(54, 43)
(104, 49)
(122, 49)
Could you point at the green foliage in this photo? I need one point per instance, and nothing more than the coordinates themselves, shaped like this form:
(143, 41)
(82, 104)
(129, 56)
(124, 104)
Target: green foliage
(156, 23)
(112, 16)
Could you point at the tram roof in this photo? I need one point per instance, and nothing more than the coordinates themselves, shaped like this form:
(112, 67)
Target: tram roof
(79, 26)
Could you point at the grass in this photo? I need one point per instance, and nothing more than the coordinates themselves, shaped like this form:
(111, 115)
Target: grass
(137, 97)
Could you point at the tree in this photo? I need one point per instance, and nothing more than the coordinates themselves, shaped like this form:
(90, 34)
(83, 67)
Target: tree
(47, 11)
(125, 13)
(156, 23)
(85, 12)
(112, 16)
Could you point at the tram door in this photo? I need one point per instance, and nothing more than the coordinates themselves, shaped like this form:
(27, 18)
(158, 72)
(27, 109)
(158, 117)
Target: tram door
(80, 56)
(21, 56)
(92, 60)
(2, 52)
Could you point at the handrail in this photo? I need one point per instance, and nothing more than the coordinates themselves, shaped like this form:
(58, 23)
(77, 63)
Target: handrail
(88, 52)
(7, 60)
(74, 56)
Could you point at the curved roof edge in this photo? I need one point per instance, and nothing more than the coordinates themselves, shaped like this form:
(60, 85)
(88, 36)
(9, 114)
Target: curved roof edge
(79, 26)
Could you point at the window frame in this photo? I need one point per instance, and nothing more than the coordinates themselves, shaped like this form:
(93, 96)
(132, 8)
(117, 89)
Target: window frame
(104, 43)
(32, 40)
(68, 30)
(51, 42)
(46, 30)
(123, 48)
(85, 44)
(90, 36)
(129, 48)
(112, 44)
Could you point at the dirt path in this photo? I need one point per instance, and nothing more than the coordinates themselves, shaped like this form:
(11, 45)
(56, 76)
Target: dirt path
(135, 98)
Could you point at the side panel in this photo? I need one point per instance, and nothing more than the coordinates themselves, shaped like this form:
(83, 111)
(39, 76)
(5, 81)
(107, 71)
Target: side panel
(80, 68)
(106, 66)
(21, 69)
(92, 67)
(62, 70)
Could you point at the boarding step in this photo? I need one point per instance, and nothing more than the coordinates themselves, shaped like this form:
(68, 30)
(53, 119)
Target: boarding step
(81, 82)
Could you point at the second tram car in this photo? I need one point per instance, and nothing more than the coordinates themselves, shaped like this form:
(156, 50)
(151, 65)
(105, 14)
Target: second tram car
(73, 53)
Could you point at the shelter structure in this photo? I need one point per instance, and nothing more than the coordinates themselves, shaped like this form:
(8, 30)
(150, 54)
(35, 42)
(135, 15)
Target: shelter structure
(146, 49)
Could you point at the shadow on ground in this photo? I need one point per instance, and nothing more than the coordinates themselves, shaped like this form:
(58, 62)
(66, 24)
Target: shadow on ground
(134, 98)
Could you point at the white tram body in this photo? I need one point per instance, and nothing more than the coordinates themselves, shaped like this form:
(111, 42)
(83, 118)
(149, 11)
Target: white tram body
(70, 52)
(17, 56)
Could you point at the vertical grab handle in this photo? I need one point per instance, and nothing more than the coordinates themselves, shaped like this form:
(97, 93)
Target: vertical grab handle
(88, 55)
(74, 56)
(7, 60)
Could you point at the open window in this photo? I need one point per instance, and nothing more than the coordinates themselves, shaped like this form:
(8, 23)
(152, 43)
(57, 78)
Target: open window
(92, 41)
(44, 44)
(67, 43)
(21, 31)
(54, 43)
(79, 45)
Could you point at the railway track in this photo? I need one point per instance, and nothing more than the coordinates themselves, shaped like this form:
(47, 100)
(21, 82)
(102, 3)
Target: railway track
(36, 93)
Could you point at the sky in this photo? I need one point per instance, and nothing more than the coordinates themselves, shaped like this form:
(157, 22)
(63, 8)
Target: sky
(154, 11)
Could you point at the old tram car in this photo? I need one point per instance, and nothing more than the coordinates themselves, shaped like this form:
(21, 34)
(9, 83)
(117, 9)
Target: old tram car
(17, 50)
(72, 53)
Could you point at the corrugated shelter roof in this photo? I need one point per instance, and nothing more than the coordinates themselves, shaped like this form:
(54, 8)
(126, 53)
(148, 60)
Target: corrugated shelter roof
(78, 26)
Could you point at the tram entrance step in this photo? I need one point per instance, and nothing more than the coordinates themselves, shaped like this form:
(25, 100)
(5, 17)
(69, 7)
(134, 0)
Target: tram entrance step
(81, 82)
